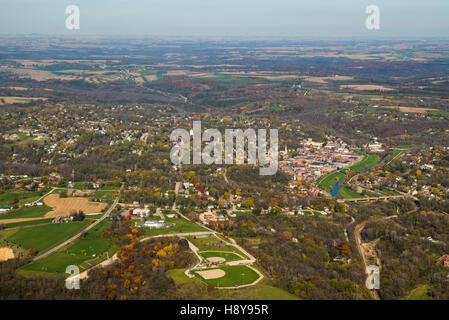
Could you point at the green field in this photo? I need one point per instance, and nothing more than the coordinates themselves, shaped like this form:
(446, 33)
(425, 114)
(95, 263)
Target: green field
(328, 181)
(7, 197)
(46, 236)
(28, 223)
(181, 226)
(346, 192)
(420, 293)
(369, 161)
(226, 255)
(260, 291)
(109, 195)
(84, 253)
(26, 212)
(438, 113)
(235, 276)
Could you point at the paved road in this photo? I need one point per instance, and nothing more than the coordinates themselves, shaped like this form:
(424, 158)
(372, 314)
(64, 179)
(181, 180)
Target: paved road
(62, 245)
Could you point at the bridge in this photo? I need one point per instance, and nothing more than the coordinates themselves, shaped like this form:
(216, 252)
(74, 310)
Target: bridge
(382, 198)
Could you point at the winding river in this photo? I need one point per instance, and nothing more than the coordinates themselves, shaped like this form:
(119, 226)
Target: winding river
(336, 187)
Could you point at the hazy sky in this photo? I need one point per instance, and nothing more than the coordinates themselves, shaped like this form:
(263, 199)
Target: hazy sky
(290, 18)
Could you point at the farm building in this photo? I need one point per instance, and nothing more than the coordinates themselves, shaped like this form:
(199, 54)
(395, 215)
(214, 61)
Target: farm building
(5, 209)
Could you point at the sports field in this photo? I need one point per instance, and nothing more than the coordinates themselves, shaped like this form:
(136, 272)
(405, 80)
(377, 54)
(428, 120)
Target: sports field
(227, 256)
(234, 276)
(261, 291)
(214, 244)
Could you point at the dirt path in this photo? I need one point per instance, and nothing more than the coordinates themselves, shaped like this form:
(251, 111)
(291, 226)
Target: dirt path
(367, 249)
(346, 228)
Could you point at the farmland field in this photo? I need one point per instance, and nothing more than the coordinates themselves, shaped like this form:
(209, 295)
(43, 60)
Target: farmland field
(46, 236)
(7, 197)
(26, 212)
(65, 206)
(85, 252)
(28, 223)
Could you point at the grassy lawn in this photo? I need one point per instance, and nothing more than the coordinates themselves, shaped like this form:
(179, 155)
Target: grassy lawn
(226, 255)
(235, 276)
(84, 253)
(106, 194)
(369, 161)
(26, 212)
(46, 236)
(181, 226)
(420, 293)
(330, 180)
(346, 192)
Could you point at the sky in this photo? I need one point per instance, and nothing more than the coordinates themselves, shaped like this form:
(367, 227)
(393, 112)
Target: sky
(261, 18)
